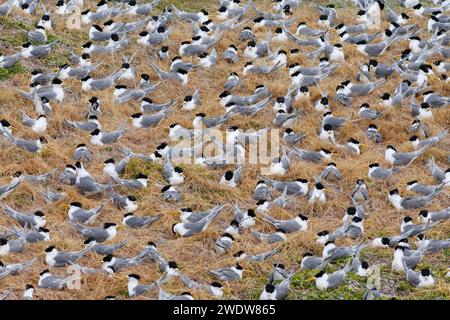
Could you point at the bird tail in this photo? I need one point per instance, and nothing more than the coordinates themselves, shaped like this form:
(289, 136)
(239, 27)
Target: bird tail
(52, 44)
(157, 70)
(150, 88)
(324, 263)
(127, 151)
(29, 262)
(405, 267)
(437, 191)
(347, 266)
(432, 165)
(421, 150)
(267, 180)
(358, 250)
(7, 209)
(284, 194)
(25, 94)
(110, 191)
(116, 75)
(211, 216)
(378, 83)
(9, 136)
(122, 127)
(219, 207)
(272, 252)
(24, 234)
(269, 219)
(88, 248)
(277, 66)
(176, 10)
(257, 235)
(442, 135)
(212, 44)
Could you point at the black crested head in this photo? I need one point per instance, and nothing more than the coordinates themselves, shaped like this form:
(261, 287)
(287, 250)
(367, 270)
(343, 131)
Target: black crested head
(229, 175)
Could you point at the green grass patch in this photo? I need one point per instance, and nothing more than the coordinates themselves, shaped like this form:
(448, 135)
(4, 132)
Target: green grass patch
(14, 39)
(14, 23)
(51, 38)
(303, 287)
(6, 73)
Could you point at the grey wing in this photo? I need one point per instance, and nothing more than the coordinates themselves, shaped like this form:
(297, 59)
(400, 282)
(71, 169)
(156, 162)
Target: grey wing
(87, 184)
(52, 282)
(79, 73)
(119, 201)
(381, 173)
(150, 219)
(413, 277)
(311, 156)
(365, 193)
(188, 281)
(238, 215)
(132, 184)
(111, 137)
(262, 193)
(195, 227)
(81, 216)
(64, 258)
(237, 175)
(438, 245)
(100, 84)
(17, 245)
(325, 173)
(225, 274)
(370, 114)
(9, 61)
(258, 235)
(353, 231)
(167, 170)
(40, 51)
(441, 215)
(29, 145)
(414, 203)
(95, 233)
(36, 37)
(135, 222)
(437, 172)
(273, 238)
(231, 83)
(151, 121)
(142, 289)
(162, 74)
(336, 173)
(80, 154)
(283, 289)
(422, 189)
(285, 162)
(120, 167)
(414, 108)
(225, 245)
(86, 126)
(335, 279)
(227, 55)
(264, 256)
(67, 178)
(311, 263)
(172, 196)
(289, 226)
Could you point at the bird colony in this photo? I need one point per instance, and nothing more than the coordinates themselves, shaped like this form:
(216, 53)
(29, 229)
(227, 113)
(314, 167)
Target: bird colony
(109, 112)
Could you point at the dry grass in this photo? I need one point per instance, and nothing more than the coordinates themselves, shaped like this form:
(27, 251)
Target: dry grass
(195, 255)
